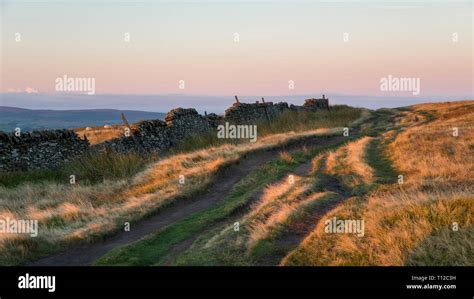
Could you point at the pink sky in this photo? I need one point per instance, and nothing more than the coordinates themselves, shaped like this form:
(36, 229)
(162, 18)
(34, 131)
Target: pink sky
(277, 43)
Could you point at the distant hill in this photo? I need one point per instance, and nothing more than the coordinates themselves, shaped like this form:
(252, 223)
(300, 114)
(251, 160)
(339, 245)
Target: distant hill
(28, 119)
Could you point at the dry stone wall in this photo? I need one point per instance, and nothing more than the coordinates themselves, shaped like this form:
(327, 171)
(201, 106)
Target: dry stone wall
(252, 113)
(49, 149)
(39, 149)
(157, 135)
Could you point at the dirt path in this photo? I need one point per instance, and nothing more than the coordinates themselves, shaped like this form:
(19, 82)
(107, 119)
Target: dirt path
(296, 234)
(225, 180)
(301, 170)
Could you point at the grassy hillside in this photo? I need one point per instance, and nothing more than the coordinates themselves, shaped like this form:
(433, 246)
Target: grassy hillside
(113, 188)
(402, 171)
(415, 222)
(424, 217)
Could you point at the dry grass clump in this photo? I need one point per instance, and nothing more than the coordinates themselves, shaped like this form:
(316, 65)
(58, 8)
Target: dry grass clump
(286, 157)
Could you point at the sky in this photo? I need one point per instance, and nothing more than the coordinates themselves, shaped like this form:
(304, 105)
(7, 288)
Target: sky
(261, 48)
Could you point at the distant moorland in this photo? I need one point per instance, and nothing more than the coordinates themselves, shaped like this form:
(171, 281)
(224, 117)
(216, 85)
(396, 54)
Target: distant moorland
(27, 119)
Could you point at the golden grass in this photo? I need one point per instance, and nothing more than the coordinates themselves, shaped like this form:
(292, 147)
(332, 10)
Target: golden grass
(261, 229)
(398, 221)
(446, 247)
(277, 204)
(348, 161)
(316, 163)
(395, 224)
(286, 157)
(72, 213)
(438, 191)
(100, 134)
(355, 159)
(432, 155)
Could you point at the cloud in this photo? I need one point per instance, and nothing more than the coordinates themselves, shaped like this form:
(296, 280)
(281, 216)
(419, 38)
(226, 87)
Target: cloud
(19, 90)
(30, 90)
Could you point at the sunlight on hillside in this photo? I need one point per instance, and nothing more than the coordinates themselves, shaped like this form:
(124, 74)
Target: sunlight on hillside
(69, 214)
(436, 195)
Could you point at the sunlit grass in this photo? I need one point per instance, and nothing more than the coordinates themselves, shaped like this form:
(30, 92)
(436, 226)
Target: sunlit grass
(86, 211)
(406, 223)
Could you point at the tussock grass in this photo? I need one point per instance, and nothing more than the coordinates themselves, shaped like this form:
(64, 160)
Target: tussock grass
(286, 157)
(97, 166)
